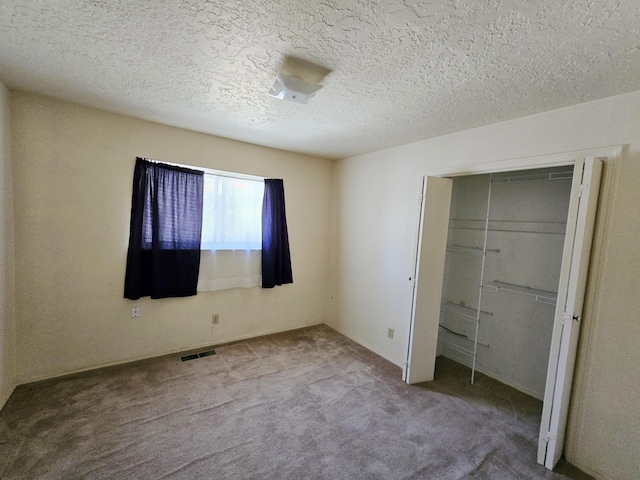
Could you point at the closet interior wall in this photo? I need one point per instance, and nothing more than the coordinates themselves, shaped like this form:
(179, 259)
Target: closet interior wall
(502, 309)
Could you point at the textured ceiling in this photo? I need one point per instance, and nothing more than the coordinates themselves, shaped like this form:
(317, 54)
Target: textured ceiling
(399, 71)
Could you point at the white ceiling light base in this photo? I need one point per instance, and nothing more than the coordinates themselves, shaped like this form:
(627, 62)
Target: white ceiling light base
(293, 89)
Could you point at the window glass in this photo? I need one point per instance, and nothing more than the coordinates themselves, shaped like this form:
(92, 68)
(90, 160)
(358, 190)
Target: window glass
(232, 213)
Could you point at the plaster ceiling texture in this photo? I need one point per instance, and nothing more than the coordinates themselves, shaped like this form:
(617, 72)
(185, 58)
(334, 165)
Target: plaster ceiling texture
(397, 71)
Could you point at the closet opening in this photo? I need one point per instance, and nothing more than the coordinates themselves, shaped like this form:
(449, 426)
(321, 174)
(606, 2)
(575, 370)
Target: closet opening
(502, 268)
(500, 276)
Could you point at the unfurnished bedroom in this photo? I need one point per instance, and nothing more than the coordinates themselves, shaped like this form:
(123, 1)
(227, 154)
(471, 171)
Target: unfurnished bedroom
(319, 240)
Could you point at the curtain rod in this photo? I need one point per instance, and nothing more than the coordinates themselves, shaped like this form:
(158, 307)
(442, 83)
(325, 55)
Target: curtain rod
(210, 171)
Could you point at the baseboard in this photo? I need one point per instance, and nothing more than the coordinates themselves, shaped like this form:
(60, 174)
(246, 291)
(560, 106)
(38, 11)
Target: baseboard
(161, 354)
(365, 345)
(250, 336)
(204, 345)
(5, 395)
(589, 471)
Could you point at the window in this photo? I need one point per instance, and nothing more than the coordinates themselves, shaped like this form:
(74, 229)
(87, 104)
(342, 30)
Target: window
(232, 213)
(231, 232)
(219, 230)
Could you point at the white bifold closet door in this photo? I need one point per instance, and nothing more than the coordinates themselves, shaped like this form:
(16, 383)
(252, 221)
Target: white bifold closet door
(421, 355)
(427, 293)
(568, 317)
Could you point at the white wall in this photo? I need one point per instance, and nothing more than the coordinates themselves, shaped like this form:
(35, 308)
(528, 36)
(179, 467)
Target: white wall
(376, 239)
(73, 172)
(7, 300)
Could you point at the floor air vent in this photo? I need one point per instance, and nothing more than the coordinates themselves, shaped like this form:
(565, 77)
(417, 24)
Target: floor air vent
(193, 356)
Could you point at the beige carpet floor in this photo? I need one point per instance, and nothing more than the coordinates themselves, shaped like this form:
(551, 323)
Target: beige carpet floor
(307, 404)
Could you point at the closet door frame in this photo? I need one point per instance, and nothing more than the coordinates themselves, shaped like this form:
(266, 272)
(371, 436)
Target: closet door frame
(429, 286)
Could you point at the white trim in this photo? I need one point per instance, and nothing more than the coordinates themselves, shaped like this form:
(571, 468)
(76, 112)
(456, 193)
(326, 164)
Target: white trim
(163, 353)
(368, 346)
(592, 304)
(576, 291)
(526, 163)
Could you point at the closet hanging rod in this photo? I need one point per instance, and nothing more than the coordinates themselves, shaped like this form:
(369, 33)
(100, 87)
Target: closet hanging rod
(471, 250)
(512, 226)
(542, 296)
(461, 311)
(509, 230)
(534, 177)
(542, 222)
(461, 335)
(452, 332)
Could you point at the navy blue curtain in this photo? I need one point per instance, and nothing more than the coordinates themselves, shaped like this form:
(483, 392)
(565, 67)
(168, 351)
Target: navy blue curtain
(166, 224)
(276, 258)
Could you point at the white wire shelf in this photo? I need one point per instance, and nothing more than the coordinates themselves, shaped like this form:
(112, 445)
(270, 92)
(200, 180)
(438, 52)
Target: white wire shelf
(542, 296)
(470, 250)
(460, 311)
(515, 226)
(459, 349)
(532, 177)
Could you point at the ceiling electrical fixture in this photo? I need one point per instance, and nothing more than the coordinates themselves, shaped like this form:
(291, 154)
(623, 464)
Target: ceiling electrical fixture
(293, 89)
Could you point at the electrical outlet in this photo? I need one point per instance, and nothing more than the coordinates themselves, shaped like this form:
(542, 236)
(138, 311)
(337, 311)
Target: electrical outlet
(135, 311)
(390, 332)
(215, 319)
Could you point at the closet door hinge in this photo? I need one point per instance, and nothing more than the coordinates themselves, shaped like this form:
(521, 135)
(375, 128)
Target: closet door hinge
(580, 189)
(566, 317)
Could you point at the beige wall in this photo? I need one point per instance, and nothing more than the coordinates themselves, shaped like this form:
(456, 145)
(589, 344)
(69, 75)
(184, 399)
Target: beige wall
(377, 222)
(7, 282)
(73, 171)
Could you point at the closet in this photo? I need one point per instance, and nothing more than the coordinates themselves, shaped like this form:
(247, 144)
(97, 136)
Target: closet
(504, 250)
(502, 257)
